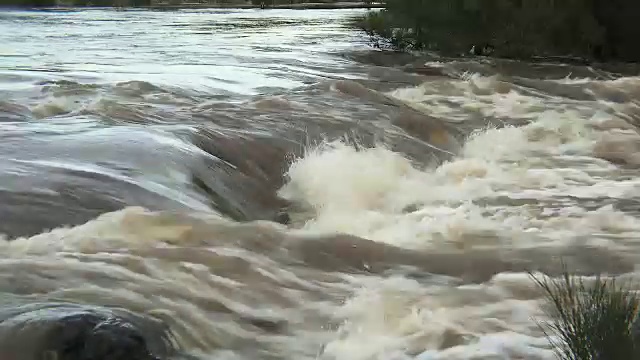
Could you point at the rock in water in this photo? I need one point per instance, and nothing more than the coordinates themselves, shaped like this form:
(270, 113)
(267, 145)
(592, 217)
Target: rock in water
(59, 331)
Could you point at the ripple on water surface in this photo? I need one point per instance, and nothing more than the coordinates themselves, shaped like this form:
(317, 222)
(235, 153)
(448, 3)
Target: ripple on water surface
(269, 190)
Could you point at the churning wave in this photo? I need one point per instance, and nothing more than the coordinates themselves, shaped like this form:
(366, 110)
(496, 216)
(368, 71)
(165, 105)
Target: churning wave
(333, 221)
(177, 194)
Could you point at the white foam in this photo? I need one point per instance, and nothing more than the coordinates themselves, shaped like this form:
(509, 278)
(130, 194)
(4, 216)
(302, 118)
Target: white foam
(509, 187)
(548, 164)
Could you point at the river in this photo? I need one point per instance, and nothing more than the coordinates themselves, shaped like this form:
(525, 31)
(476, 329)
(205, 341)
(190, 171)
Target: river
(269, 187)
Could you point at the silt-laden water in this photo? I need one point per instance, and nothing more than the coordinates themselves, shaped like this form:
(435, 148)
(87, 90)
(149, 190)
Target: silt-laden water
(270, 188)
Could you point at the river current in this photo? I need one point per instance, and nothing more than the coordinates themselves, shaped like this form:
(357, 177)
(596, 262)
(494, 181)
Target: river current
(269, 187)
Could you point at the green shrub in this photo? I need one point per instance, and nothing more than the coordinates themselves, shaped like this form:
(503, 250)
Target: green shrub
(591, 322)
(515, 28)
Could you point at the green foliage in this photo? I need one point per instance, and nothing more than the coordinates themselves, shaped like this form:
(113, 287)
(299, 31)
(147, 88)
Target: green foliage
(516, 28)
(591, 322)
(379, 27)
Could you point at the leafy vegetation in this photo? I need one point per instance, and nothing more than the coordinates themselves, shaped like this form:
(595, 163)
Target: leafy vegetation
(591, 322)
(592, 29)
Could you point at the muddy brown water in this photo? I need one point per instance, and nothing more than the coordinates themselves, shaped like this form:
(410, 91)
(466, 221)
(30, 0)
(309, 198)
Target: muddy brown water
(266, 186)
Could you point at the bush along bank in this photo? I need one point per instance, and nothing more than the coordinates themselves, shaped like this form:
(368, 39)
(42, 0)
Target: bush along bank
(600, 30)
(591, 322)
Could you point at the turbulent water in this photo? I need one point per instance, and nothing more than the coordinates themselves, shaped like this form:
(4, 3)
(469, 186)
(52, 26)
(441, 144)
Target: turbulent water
(270, 188)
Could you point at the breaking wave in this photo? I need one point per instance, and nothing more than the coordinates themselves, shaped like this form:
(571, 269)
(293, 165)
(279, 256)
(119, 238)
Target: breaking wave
(380, 211)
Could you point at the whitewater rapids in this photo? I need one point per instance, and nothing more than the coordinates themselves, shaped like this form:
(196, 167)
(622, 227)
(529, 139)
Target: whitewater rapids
(338, 205)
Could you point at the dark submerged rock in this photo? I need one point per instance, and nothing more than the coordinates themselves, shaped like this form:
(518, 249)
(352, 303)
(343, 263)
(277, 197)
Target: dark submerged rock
(90, 337)
(76, 332)
(283, 217)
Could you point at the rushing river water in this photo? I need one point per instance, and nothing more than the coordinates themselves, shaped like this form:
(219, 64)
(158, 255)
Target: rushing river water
(270, 188)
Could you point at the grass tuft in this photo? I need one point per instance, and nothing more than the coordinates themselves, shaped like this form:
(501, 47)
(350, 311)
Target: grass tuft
(591, 321)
